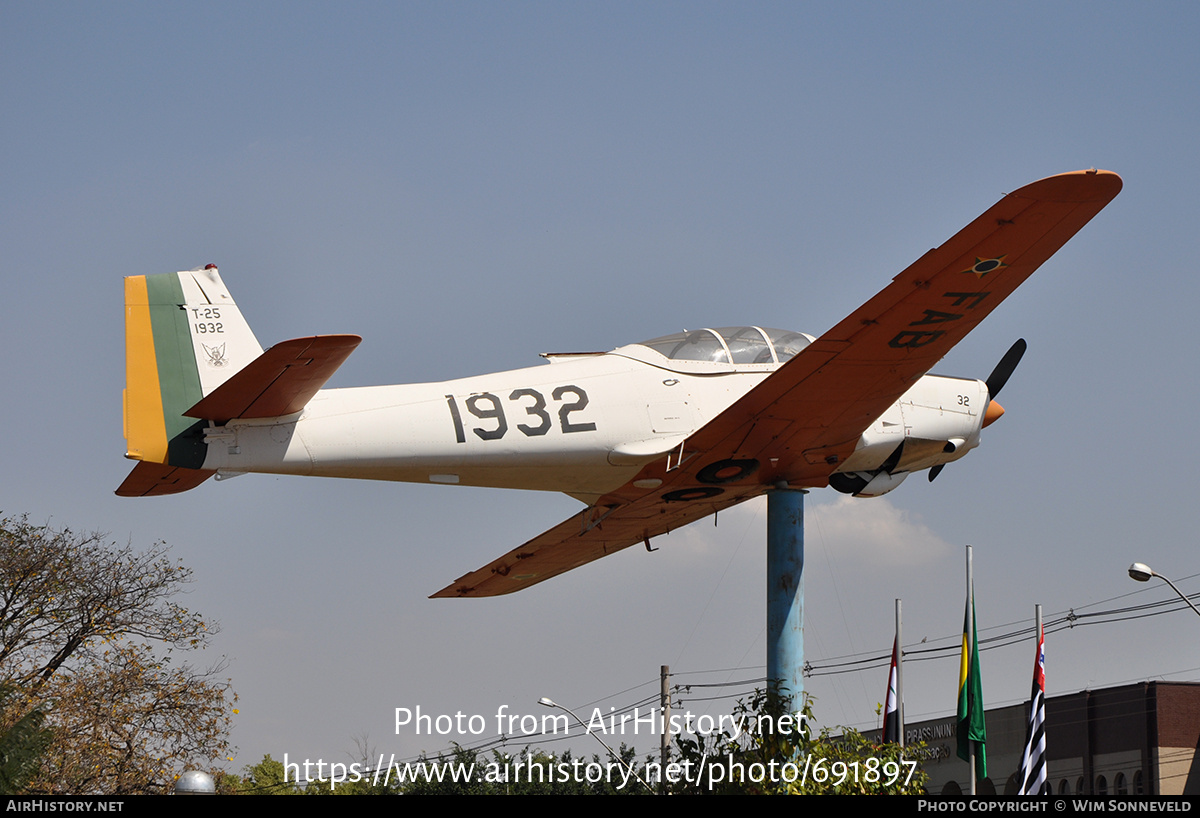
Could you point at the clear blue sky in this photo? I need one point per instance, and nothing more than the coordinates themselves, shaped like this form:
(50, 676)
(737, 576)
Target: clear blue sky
(467, 185)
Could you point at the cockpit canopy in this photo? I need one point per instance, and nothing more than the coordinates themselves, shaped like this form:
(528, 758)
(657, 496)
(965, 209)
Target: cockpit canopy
(724, 349)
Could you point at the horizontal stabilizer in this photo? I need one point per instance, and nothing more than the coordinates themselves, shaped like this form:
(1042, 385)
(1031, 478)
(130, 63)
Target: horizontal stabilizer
(151, 479)
(279, 382)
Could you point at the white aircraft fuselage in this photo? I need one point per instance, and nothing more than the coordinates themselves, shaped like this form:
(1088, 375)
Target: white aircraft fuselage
(584, 425)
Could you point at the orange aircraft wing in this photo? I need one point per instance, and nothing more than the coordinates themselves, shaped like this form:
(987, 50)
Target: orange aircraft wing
(799, 424)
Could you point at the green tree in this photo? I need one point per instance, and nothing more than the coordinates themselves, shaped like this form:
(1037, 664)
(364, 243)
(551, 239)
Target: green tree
(454, 772)
(267, 777)
(91, 635)
(787, 758)
(535, 772)
(22, 742)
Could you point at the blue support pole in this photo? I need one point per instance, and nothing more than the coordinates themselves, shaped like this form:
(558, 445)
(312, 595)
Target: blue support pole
(785, 590)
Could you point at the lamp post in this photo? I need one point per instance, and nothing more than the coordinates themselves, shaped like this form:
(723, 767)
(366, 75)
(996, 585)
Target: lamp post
(1142, 573)
(551, 703)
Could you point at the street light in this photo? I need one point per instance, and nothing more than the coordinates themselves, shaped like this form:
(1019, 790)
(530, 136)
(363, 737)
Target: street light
(195, 782)
(548, 702)
(1142, 573)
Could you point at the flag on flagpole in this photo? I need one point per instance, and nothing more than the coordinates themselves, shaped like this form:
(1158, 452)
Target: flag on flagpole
(891, 714)
(1033, 761)
(970, 696)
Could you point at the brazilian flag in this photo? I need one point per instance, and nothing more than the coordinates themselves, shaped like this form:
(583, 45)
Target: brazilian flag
(970, 696)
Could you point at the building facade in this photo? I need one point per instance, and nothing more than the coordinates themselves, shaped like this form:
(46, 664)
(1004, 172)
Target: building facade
(1138, 739)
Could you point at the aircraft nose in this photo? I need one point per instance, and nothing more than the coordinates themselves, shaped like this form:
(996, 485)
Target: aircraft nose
(993, 413)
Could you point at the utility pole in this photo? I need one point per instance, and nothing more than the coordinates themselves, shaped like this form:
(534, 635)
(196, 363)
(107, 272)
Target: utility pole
(664, 703)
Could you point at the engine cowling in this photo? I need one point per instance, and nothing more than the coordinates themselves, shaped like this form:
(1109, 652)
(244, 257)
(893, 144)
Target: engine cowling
(865, 483)
(937, 421)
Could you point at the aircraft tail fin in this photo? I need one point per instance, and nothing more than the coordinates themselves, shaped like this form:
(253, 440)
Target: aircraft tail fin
(184, 337)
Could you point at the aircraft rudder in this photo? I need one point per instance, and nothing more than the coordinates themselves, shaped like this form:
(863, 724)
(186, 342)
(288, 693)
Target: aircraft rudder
(145, 427)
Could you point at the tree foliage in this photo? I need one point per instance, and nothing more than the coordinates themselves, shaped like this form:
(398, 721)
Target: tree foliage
(794, 760)
(22, 741)
(90, 633)
(267, 777)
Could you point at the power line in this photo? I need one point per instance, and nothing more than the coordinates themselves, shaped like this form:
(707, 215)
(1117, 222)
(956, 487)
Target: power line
(927, 650)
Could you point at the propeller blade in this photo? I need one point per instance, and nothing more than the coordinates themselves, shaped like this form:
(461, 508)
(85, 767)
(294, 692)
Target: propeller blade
(893, 459)
(1004, 369)
(935, 471)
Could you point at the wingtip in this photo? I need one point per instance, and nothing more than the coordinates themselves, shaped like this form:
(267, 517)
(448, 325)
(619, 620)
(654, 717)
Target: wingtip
(453, 591)
(1091, 185)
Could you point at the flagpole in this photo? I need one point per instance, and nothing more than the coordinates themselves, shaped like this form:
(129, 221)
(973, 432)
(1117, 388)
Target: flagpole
(893, 730)
(1040, 659)
(1033, 760)
(971, 651)
(899, 679)
(972, 725)
(1037, 614)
